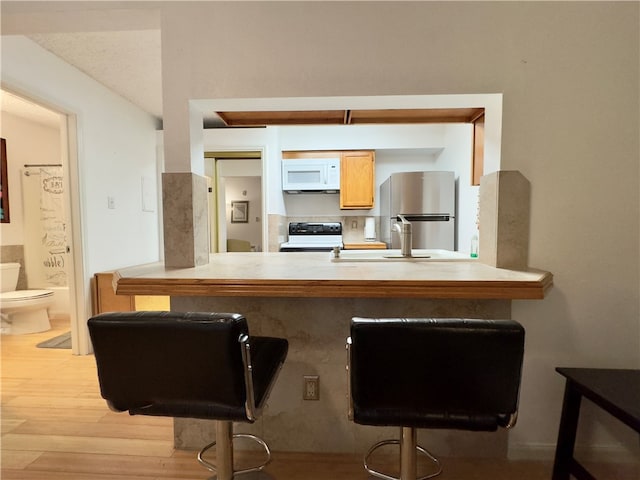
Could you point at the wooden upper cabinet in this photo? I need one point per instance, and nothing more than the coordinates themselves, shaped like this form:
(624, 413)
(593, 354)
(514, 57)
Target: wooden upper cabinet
(357, 180)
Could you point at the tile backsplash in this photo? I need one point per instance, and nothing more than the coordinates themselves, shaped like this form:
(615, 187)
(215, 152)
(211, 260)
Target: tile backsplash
(15, 254)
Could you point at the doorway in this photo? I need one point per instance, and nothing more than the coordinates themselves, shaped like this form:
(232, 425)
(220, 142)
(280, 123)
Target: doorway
(236, 205)
(40, 235)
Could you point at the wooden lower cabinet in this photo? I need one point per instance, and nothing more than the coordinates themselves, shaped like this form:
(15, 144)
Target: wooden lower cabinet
(105, 298)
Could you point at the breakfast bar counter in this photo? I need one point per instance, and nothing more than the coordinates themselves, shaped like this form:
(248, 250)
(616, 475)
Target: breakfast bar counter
(316, 274)
(309, 298)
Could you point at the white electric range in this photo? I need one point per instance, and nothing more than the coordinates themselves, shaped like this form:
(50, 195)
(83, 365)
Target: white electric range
(313, 237)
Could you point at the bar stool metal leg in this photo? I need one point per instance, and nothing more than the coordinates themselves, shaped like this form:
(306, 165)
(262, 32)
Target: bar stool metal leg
(224, 451)
(408, 454)
(223, 468)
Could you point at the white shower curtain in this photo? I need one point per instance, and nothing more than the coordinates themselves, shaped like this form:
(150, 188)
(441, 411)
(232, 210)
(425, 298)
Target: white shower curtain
(45, 227)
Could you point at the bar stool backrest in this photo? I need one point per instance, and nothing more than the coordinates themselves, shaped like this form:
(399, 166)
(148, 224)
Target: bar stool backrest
(172, 364)
(435, 373)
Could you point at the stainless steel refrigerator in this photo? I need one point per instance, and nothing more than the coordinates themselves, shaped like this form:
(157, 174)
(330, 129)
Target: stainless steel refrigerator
(427, 200)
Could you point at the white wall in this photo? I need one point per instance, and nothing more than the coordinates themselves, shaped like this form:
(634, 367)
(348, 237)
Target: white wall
(354, 137)
(458, 154)
(245, 189)
(253, 139)
(27, 142)
(115, 148)
(569, 75)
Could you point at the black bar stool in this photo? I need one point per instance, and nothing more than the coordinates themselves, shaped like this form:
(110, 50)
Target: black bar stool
(193, 365)
(449, 373)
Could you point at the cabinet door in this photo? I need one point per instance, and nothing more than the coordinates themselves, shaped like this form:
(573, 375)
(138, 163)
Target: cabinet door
(105, 298)
(357, 180)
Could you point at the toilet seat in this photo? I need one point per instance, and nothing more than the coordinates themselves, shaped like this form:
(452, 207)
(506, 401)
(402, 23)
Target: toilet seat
(22, 295)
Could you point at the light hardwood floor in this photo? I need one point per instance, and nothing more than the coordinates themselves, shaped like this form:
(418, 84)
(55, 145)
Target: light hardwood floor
(55, 426)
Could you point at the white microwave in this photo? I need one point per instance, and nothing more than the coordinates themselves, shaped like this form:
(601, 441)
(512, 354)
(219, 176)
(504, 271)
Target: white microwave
(301, 175)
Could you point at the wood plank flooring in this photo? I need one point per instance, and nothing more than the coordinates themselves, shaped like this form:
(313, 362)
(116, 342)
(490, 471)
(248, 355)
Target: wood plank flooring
(55, 426)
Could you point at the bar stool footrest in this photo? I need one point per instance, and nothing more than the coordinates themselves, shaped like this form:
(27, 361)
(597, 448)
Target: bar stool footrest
(213, 468)
(420, 449)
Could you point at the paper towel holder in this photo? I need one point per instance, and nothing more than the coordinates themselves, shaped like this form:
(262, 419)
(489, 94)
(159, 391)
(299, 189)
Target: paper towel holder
(370, 229)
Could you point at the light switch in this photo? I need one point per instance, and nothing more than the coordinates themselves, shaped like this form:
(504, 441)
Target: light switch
(111, 203)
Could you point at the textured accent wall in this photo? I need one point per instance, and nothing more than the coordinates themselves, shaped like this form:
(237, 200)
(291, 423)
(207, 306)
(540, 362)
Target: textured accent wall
(504, 220)
(185, 219)
(15, 254)
(317, 329)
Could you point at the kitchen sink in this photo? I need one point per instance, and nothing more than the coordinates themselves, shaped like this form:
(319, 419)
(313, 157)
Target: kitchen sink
(394, 255)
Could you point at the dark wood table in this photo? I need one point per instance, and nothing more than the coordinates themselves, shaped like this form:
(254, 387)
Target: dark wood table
(614, 390)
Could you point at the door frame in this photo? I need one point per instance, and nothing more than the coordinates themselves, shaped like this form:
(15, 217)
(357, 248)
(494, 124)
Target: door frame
(217, 211)
(79, 299)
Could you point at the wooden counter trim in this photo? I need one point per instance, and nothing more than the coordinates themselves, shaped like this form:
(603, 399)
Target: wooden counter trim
(365, 246)
(442, 289)
(313, 275)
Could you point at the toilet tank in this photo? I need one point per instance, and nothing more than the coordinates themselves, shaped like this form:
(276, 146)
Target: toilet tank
(9, 275)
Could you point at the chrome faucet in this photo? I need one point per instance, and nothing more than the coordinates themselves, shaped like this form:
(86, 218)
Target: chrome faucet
(405, 236)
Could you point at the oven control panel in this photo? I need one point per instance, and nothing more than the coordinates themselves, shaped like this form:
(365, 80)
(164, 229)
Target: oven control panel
(308, 228)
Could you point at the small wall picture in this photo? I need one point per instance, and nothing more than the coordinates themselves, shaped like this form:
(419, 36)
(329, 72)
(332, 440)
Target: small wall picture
(240, 212)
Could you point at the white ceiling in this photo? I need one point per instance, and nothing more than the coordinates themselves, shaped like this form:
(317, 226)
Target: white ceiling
(126, 62)
(117, 43)
(26, 109)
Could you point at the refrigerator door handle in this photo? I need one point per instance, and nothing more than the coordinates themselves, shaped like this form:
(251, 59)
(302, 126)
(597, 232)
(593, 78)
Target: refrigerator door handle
(427, 218)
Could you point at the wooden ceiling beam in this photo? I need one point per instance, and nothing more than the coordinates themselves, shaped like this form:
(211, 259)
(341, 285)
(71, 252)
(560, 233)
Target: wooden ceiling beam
(259, 118)
(351, 117)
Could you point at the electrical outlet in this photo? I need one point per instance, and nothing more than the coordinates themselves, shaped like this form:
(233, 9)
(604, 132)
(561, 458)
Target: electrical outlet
(311, 387)
(354, 224)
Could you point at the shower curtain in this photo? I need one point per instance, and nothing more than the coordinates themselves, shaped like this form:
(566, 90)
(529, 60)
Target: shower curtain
(45, 227)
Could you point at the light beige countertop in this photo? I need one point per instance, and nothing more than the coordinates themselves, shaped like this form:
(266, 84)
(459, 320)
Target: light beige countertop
(314, 274)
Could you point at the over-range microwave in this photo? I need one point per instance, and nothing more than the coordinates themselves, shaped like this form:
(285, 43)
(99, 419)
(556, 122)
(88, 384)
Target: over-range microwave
(302, 175)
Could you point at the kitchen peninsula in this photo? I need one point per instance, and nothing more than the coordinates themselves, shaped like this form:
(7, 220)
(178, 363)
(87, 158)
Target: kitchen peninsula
(309, 299)
(313, 274)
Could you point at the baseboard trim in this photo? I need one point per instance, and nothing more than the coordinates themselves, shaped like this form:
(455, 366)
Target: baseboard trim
(594, 453)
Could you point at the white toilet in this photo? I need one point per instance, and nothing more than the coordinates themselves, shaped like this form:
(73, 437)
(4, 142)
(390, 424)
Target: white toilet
(23, 311)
